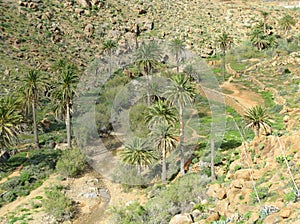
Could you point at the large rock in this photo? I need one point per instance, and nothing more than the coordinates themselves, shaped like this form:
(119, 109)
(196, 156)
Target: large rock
(213, 217)
(84, 3)
(182, 219)
(285, 212)
(89, 30)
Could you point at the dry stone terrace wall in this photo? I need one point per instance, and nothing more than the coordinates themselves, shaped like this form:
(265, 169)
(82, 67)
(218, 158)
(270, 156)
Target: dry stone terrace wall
(218, 97)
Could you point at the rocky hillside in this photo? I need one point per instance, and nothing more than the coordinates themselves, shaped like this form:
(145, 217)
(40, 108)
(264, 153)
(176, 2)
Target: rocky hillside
(35, 34)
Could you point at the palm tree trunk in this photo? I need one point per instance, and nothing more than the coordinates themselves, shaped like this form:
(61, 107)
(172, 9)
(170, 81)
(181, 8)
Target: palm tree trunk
(223, 65)
(68, 124)
(181, 140)
(257, 130)
(148, 88)
(177, 62)
(212, 163)
(164, 166)
(110, 53)
(35, 131)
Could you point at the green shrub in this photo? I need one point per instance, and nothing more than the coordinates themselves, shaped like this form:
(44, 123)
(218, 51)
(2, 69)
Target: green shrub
(58, 205)
(290, 197)
(71, 163)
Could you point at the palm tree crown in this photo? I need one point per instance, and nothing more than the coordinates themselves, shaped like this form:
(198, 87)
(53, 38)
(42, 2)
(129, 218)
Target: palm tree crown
(160, 113)
(181, 91)
(257, 118)
(286, 23)
(177, 47)
(10, 118)
(137, 152)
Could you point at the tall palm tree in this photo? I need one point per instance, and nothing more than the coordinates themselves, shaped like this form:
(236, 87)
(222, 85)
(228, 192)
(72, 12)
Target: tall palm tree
(181, 92)
(147, 57)
(164, 139)
(10, 118)
(286, 23)
(257, 118)
(224, 41)
(177, 48)
(63, 94)
(32, 85)
(138, 152)
(160, 113)
(109, 46)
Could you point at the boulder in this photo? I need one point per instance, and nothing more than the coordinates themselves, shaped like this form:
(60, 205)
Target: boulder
(213, 217)
(182, 219)
(273, 218)
(89, 30)
(84, 3)
(242, 174)
(285, 212)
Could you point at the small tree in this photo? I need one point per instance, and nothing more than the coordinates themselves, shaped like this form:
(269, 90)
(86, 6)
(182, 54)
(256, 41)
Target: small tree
(224, 41)
(109, 46)
(177, 48)
(164, 140)
(265, 17)
(257, 118)
(286, 23)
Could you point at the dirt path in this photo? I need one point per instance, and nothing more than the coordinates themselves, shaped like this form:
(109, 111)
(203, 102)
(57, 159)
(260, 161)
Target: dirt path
(240, 93)
(100, 213)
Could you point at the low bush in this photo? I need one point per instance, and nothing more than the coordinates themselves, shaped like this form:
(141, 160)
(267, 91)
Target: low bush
(71, 163)
(58, 205)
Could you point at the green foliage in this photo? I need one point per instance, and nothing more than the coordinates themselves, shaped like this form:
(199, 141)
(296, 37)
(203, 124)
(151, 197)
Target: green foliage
(137, 120)
(257, 118)
(71, 163)
(263, 192)
(58, 205)
(290, 197)
(167, 202)
(36, 168)
(132, 213)
(280, 159)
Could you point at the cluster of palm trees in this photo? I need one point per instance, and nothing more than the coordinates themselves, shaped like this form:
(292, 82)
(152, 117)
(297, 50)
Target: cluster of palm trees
(33, 87)
(163, 111)
(262, 38)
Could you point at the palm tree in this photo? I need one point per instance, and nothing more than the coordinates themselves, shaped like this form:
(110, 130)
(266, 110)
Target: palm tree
(10, 118)
(148, 57)
(177, 48)
(261, 40)
(33, 84)
(138, 152)
(160, 113)
(224, 41)
(164, 140)
(286, 23)
(257, 118)
(109, 46)
(181, 92)
(265, 17)
(63, 95)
